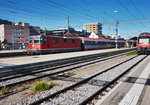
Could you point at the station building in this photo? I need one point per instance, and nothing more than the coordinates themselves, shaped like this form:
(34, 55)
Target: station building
(17, 34)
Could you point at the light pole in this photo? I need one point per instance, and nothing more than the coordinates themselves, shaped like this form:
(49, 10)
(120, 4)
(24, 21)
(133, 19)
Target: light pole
(68, 25)
(116, 29)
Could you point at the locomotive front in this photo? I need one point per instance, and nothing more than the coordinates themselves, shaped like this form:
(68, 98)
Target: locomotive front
(34, 45)
(143, 44)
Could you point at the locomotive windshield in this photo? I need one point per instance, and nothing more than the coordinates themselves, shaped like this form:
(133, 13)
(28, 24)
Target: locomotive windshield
(144, 40)
(37, 40)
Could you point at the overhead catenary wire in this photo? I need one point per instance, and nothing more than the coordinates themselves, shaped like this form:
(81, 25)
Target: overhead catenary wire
(97, 8)
(71, 9)
(122, 5)
(139, 12)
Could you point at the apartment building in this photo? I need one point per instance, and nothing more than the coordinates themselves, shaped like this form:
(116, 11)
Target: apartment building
(17, 34)
(93, 27)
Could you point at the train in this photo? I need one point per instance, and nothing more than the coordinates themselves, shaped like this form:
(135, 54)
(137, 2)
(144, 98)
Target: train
(143, 43)
(49, 44)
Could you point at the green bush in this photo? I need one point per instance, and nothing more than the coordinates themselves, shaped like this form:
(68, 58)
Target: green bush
(40, 86)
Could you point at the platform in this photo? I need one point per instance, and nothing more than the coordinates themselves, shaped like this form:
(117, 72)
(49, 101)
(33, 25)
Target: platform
(18, 64)
(10, 51)
(42, 58)
(135, 90)
(6, 53)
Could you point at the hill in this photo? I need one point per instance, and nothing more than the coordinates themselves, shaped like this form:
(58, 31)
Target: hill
(5, 22)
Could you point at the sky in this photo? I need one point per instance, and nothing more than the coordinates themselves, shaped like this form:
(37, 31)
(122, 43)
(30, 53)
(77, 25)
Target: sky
(53, 14)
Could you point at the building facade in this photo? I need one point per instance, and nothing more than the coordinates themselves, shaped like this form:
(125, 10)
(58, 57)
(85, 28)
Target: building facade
(17, 34)
(93, 27)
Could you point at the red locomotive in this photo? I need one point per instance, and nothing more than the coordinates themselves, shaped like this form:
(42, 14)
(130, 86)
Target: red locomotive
(45, 44)
(143, 43)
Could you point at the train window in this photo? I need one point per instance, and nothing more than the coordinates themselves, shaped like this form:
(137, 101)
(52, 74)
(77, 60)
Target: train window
(100, 43)
(65, 40)
(86, 42)
(30, 40)
(37, 40)
(144, 40)
(73, 40)
(92, 42)
(44, 40)
(54, 40)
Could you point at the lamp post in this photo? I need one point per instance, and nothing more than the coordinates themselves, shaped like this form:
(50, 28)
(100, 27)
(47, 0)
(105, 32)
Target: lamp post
(116, 29)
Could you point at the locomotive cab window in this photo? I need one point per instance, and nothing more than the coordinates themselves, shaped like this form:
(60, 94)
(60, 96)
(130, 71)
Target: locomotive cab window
(37, 40)
(30, 40)
(144, 40)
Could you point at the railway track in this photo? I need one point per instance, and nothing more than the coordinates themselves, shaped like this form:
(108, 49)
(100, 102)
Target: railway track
(40, 73)
(83, 91)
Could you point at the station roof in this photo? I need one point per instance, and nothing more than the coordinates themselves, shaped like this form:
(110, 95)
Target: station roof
(133, 38)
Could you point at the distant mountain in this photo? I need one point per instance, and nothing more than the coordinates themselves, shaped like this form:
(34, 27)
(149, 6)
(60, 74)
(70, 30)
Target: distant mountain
(5, 22)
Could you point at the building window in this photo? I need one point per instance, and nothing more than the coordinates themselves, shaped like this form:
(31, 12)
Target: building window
(18, 41)
(17, 29)
(18, 33)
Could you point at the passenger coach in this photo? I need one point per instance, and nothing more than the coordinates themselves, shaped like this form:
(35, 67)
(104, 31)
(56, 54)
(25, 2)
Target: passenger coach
(93, 43)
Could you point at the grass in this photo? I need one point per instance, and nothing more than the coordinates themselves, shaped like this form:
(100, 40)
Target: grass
(3, 91)
(43, 85)
(133, 53)
(40, 86)
(52, 84)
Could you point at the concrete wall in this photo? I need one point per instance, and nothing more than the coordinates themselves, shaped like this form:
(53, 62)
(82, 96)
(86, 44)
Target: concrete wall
(1, 32)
